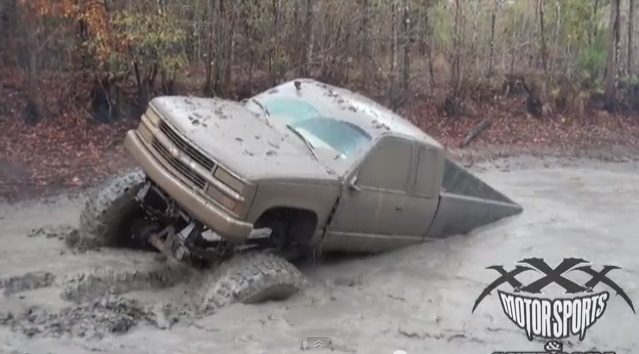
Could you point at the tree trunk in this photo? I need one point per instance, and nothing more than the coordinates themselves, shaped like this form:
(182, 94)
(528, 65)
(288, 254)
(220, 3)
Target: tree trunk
(393, 42)
(309, 36)
(593, 22)
(429, 44)
(295, 45)
(631, 27)
(491, 60)
(611, 65)
(456, 62)
(406, 33)
(422, 41)
(219, 47)
(277, 25)
(208, 85)
(513, 43)
(542, 37)
(32, 112)
(230, 50)
(197, 34)
(474, 53)
(553, 59)
(365, 53)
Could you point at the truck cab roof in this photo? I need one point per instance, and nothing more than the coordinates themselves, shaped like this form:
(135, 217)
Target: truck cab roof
(311, 98)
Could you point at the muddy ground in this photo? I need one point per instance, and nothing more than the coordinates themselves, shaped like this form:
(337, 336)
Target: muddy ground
(58, 300)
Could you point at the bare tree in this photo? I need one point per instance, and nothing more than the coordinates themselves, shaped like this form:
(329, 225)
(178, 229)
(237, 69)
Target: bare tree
(214, 25)
(33, 109)
(229, 46)
(631, 29)
(493, 19)
(542, 37)
(394, 42)
(309, 36)
(456, 71)
(428, 34)
(613, 54)
(365, 51)
(274, 47)
(407, 37)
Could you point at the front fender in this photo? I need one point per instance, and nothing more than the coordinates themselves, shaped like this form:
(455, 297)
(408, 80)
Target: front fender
(317, 198)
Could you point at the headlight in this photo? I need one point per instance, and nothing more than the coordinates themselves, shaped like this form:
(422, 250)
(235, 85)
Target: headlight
(220, 197)
(150, 119)
(153, 116)
(144, 133)
(229, 180)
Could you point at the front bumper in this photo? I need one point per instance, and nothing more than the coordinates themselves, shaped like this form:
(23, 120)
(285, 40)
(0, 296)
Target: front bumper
(206, 212)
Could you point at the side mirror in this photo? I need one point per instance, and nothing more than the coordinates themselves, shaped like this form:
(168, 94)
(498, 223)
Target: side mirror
(352, 184)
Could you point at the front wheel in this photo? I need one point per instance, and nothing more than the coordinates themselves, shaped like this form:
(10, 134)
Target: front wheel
(251, 278)
(111, 213)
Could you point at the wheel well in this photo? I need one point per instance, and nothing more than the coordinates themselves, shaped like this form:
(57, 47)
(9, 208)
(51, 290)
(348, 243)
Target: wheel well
(288, 224)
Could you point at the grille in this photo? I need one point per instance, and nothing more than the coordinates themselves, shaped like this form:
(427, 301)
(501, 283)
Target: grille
(186, 147)
(185, 171)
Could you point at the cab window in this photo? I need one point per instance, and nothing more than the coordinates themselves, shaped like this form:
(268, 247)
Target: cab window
(346, 138)
(388, 166)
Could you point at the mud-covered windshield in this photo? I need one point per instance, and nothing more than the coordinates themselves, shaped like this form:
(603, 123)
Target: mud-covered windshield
(290, 110)
(345, 138)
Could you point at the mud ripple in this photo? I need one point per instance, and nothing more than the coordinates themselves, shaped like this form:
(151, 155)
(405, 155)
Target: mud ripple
(26, 282)
(110, 314)
(89, 285)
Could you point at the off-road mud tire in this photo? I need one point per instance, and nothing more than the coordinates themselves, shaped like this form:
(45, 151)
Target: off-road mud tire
(107, 208)
(251, 278)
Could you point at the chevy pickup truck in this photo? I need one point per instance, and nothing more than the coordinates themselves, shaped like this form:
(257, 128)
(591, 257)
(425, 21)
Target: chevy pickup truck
(246, 187)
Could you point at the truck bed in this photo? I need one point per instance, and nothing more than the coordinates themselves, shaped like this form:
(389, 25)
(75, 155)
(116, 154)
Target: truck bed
(466, 202)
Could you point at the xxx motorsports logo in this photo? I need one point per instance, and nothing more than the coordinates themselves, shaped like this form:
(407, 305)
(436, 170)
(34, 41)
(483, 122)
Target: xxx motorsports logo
(554, 318)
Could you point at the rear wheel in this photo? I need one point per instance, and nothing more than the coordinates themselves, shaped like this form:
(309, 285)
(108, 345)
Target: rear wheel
(251, 278)
(111, 214)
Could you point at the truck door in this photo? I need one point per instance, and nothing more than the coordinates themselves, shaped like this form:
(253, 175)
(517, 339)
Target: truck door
(424, 200)
(373, 215)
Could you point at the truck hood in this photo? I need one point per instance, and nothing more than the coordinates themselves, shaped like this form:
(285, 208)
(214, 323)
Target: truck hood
(240, 139)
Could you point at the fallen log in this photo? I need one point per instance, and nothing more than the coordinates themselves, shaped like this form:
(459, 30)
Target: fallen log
(483, 125)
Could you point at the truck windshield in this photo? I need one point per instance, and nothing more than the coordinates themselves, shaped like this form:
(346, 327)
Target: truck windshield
(291, 110)
(344, 137)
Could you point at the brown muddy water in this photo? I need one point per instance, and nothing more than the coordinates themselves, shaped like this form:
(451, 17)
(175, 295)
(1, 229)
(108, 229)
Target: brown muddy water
(56, 300)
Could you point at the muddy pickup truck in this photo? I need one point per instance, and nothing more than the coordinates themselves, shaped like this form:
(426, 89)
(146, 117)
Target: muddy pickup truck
(245, 187)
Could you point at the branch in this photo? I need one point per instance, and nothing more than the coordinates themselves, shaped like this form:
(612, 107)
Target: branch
(483, 125)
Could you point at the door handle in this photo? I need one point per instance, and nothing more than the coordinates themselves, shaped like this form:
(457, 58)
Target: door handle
(352, 185)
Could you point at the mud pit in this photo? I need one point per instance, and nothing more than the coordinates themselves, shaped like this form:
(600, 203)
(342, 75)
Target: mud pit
(55, 299)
